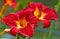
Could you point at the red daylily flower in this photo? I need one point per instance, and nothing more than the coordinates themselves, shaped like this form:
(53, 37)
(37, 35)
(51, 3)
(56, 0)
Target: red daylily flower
(40, 9)
(10, 3)
(23, 22)
(28, 14)
(43, 13)
(18, 25)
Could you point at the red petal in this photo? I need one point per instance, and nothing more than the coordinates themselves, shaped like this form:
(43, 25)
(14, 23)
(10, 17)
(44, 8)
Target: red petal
(27, 31)
(33, 20)
(9, 22)
(11, 3)
(33, 5)
(14, 5)
(46, 23)
(51, 14)
(36, 25)
(25, 12)
(11, 16)
(14, 31)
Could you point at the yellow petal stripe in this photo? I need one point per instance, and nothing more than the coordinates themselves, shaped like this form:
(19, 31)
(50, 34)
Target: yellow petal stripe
(21, 23)
(40, 15)
(18, 24)
(36, 12)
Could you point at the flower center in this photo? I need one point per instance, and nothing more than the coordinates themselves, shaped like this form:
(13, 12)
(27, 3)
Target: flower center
(21, 23)
(9, 2)
(38, 14)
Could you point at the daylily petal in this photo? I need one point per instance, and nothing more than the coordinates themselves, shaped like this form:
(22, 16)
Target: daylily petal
(28, 14)
(33, 19)
(14, 31)
(46, 23)
(34, 5)
(9, 22)
(25, 12)
(11, 16)
(51, 14)
(27, 31)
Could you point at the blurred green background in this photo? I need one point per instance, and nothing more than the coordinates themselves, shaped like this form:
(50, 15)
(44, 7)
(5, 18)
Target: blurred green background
(40, 33)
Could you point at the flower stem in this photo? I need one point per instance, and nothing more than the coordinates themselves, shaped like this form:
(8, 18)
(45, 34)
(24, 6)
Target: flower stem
(3, 10)
(50, 33)
(56, 9)
(44, 37)
(24, 37)
(57, 6)
(29, 38)
(18, 36)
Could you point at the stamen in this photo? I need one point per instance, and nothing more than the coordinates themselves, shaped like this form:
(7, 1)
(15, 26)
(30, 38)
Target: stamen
(22, 23)
(37, 12)
(42, 16)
